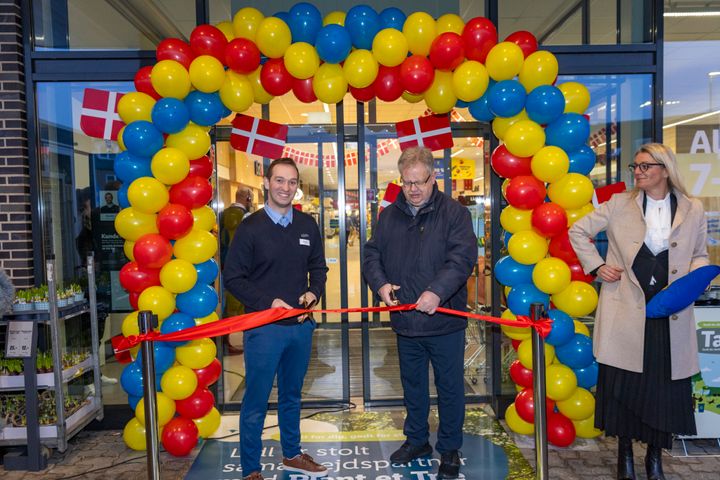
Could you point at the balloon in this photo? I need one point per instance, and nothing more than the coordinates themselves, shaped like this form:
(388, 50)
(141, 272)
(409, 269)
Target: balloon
(440, 97)
(134, 435)
(192, 192)
(206, 109)
(207, 73)
(301, 60)
(165, 409)
(544, 104)
(526, 358)
(527, 247)
(517, 424)
(196, 354)
(389, 47)
(586, 428)
(521, 375)
(242, 56)
(157, 299)
(577, 97)
(170, 79)
(563, 328)
(363, 24)
(416, 74)
(227, 29)
(568, 132)
(522, 296)
(208, 424)
(361, 68)
(275, 78)
(525, 406)
(143, 84)
(178, 276)
(576, 214)
(577, 300)
(525, 191)
(170, 115)
(561, 247)
(238, 92)
(470, 81)
(131, 224)
(334, 18)
(329, 83)
(479, 36)
(196, 405)
(246, 21)
(515, 219)
(179, 436)
(504, 61)
(142, 138)
(178, 381)
(392, 17)
(130, 324)
(207, 271)
(122, 196)
(176, 322)
(579, 406)
(551, 275)
(560, 381)
(501, 125)
(587, 377)
(387, 85)
(508, 165)
(420, 30)
(550, 164)
(199, 301)
(152, 251)
(480, 111)
(363, 94)
(524, 138)
(196, 247)
(539, 68)
(135, 106)
(304, 21)
(506, 98)
(560, 430)
(202, 167)
(549, 219)
(581, 328)
(131, 380)
(127, 249)
(147, 195)
(577, 273)
(176, 50)
(170, 165)
(303, 90)
(571, 191)
(129, 167)
(511, 273)
(450, 22)
(208, 40)
(204, 218)
(577, 353)
(582, 160)
(447, 51)
(525, 40)
(516, 333)
(193, 140)
(273, 37)
(206, 376)
(135, 278)
(333, 44)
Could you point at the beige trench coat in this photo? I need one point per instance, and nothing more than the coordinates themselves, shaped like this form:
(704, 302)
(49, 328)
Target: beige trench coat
(618, 338)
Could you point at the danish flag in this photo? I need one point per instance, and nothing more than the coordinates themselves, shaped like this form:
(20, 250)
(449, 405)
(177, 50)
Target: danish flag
(391, 193)
(99, 117)
(257, 136)
(432, 131)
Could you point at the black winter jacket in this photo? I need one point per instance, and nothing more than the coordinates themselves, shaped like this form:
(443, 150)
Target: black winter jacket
(435, 250)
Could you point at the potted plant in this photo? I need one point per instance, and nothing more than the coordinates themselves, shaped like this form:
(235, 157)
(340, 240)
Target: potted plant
(23, 301)
(77, 292)
(40, 298)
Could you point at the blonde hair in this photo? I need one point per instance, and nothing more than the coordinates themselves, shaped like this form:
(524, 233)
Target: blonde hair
(663, 154)
(416, 155)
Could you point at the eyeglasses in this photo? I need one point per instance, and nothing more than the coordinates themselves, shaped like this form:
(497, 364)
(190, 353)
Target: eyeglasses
(644, 167)
(410, 185)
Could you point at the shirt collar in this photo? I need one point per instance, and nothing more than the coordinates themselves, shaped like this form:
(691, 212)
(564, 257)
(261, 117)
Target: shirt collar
(278, 218)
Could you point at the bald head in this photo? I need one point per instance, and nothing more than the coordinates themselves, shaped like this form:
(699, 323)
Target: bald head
(244, 197)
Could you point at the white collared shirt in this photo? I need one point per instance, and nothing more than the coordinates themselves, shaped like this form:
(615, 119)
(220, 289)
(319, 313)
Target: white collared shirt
(658, 218)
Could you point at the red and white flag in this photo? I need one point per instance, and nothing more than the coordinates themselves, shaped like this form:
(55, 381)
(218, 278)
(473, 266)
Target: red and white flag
(603, 194)
(432, 131)
(99, 117)
(257, 136)
(391, 193)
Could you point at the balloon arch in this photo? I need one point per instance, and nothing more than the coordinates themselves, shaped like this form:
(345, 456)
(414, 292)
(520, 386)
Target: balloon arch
(445, 62)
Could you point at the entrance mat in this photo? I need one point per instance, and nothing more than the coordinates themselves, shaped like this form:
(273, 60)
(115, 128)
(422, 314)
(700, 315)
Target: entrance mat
(357, 446)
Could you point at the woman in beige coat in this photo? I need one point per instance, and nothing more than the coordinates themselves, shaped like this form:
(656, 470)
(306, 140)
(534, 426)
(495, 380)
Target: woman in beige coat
(656, 234)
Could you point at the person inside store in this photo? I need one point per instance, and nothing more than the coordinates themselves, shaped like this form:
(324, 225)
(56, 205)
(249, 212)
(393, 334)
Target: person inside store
(656, 234)
(110, 205)
(422, 252)
(276, 260)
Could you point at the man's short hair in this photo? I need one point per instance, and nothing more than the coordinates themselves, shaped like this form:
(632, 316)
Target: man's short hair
(281, 161)
(416, 155)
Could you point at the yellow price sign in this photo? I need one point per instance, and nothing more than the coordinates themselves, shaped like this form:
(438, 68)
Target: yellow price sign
(462, 168)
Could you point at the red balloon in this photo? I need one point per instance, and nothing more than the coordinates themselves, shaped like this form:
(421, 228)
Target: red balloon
(525, 40)
(479, 36)
(416, 74)
(180, 436)
(387, 85)
(447, 51)
(135, 278)
(525, 405)
(515, 345)
(192, 192)
(174, 221)
(561, 248)
(560, 430)
(208, 40)
(549, 219)
(525, 191)
(152, 250)
(303, 90)
(521, 375)
(242, 55)
(175, 49)
(275, 78)
(508, 165)
(577, 273)
(209, 375)
(196, 405)
(363, 94)
(133, 297)
(202, 167)
(143, 84)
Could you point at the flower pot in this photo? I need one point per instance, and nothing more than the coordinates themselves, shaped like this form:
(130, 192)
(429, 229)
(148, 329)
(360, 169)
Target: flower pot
(22, 307)
(45, 305)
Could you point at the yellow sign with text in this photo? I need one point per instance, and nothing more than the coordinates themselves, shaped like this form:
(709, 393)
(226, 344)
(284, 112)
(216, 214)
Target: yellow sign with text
(462, 168)
(701, 172)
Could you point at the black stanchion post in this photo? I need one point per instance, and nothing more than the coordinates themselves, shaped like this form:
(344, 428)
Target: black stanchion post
(147, 321)
(538, 350)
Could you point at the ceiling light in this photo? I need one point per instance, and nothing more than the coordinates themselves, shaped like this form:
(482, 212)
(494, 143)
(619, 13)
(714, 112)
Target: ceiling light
(713, 74)
(458, 152)
(691, 119)
(692, 14)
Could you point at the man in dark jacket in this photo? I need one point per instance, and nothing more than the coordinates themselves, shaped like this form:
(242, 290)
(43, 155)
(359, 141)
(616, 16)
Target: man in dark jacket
(422, 251)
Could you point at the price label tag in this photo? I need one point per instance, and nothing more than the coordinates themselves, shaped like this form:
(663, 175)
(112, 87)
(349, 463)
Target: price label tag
(19, 339)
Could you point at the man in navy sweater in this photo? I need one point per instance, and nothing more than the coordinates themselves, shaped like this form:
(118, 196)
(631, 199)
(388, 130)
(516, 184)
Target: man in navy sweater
(276, 260)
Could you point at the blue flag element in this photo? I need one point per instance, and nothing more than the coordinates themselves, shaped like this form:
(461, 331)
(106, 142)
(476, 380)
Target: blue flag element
(682, 292)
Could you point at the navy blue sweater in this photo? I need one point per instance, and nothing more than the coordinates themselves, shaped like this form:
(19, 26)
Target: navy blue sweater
(266, 261)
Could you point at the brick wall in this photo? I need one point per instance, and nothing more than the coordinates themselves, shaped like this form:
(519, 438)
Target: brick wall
(16, 255)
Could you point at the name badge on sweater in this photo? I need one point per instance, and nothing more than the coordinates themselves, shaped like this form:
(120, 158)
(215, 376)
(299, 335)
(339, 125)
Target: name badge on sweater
(305, 241)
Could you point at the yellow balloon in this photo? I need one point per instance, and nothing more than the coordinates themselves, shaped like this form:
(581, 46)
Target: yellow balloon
(571, 191)
(227, 29)
(517, 424)
(586, 428)
(581, 328)
(213, 317)
(121, 144)
(516, 333)
(577, 300)
(273, 37)
(450, 22)
(197, 246)
(193, 141)
(165, 409)
(503, 187)
(260, 95)
(157, 299)
(147, 195)
(329, 83)
(420, 30)
(245, 22)
(525, 354)
(178, 276)
(440, 97)
(560, 382)
(504, 61)
(170, 165)
(390, 47)
(524, 138)
(196, 353)
(578, 406)
(539, 68)
(515, 219)
(577, 213)
(132, 224)
(577, 97)
(301, 60)
(128, 250)
(506, 290)
(237, 92)
(500, 125)
(334, 18)
(178, 382)
(550, 163)
(470, 80)
(130, 324)
(207, 73)
(360, 68)
(204, 218)
(134, 435)
(551, 275)
(412, 98)
(135, 106)
(170, 79)
(208, 424)
(134, 351)
(527, 247)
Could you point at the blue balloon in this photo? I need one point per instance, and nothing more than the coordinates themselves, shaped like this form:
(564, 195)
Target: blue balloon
(506, 98)
(129, 167)
(506, 241)
(176, 322)
(461, 104)
(681, 293)
(170, 115)
(511, 273)
(577, 353)
(122, 196)
(305, 22)
(522, 296)
(205, 109)
(284, 16)
(545, 104)
(133, 401)
(392, 17)
(200, 301)
(582, 160)
(207, 271)
(587, 377)
(164, 355)
(333, 43)
(131, 379)
(142, 138)
(480, 110)
(568, 132)
(563, 328)
(362, 23)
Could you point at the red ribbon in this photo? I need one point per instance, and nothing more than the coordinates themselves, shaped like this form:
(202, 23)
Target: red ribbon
(247, 321)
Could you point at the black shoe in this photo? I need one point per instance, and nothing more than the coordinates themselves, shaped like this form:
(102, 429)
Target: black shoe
(449, 465)
(653, 463)
(626, 466)
(407, 453)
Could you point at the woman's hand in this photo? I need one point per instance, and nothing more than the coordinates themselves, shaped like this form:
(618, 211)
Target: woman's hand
(609, 273)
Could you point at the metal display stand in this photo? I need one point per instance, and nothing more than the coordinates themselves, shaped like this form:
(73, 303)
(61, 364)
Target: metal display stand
(35, 437)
